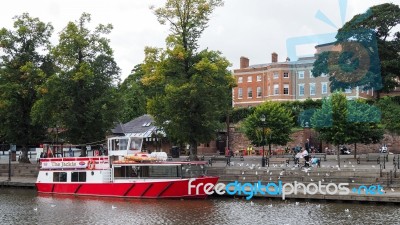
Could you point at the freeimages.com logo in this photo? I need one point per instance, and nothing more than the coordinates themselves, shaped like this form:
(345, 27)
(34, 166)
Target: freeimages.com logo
(281, 189)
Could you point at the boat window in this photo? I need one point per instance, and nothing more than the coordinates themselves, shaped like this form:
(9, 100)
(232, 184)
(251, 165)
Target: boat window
(147, 171)
(59, 177)
(193, 170)
(123, 143)
(78, 176)
(135, 144)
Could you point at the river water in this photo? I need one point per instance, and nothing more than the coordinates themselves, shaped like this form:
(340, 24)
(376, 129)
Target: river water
(24, 206)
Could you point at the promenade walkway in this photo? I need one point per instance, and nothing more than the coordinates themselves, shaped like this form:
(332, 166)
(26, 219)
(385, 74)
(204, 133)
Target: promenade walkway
(250, 171)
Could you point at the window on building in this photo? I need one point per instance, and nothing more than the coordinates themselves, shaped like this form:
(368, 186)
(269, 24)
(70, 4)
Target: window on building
(249, 79)
(285, 75)
(324, 88)
(301, 89)
(259, 93)
(276, 89)
(312, 88)
(240, 80)
(240, 93)
(347, 90)
(301, 74)
(286, 89)
(249, 92)
(311, 74)
(258, 77)
(276, 75)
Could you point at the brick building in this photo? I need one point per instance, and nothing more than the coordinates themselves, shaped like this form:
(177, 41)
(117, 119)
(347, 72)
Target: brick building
(284, 81)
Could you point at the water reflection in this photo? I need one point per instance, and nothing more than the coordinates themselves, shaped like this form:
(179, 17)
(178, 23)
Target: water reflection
(26, 207)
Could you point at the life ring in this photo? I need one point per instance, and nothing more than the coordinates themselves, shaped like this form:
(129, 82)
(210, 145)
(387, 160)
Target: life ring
(91, 164)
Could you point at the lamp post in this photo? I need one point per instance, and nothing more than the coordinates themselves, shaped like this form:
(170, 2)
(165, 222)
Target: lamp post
(262, 118)
(9, 165)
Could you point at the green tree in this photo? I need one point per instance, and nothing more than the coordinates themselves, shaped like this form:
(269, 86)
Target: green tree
(390, 114)
(133, 95)
(277, 126)
(81, 96)
(190, 89)
(369, 58)
(24, 67)
(363, 124)
(340, 121)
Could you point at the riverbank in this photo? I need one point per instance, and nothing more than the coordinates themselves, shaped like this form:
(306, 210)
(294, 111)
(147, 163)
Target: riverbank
(249, 171)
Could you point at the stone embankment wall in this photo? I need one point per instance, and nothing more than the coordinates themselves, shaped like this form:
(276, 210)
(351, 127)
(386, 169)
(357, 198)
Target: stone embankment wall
(239, 141)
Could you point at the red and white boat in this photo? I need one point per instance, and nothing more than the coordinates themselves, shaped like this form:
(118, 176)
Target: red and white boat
(125, 172)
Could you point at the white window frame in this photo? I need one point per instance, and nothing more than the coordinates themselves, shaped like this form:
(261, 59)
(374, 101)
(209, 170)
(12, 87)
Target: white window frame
(258, 77)
(276, 75)
(240, 93)
(322, 88)
(249, 79)
(259, 92)
(240, 80)
(276, 89)
(286, 86)
(311, 74)
(301, 86)
(312, 87)
(301, 74)
(249, 92)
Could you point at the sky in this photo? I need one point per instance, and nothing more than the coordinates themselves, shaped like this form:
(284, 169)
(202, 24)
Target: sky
(250, 28)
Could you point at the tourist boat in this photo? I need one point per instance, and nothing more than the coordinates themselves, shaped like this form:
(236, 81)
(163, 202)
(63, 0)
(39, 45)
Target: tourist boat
(125, 172)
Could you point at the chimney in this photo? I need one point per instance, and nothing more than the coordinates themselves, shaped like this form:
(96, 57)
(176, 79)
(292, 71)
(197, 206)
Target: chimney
(244, 62)
(274, 57)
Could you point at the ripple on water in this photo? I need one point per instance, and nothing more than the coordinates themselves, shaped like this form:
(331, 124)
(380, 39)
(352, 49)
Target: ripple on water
(17, 207)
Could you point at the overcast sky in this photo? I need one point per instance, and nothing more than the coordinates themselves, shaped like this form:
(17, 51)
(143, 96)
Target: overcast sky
(251, 28)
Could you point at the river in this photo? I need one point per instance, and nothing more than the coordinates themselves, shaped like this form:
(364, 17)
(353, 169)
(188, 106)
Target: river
(24, 206)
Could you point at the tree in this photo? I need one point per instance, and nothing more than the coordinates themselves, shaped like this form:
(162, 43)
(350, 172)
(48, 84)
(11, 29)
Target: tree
(340, 121)
(24, 67)
(390, 110)
(190, 89)
(369, 56)
(363, 124)
(133, 95)
(81, 96)
(277, 126)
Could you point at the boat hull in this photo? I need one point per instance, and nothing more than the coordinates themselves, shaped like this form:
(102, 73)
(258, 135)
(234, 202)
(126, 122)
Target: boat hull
(177, 188)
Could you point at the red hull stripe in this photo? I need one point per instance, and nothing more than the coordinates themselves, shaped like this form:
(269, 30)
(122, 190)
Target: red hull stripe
(129, 189)
(148, 188)
(166, 188)
(77, 189)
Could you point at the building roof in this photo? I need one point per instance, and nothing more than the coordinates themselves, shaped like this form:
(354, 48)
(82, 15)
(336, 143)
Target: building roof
(142, 126)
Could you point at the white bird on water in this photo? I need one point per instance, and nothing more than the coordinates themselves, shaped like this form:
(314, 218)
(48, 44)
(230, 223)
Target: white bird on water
(52, 205)
(392, 189)
(347, 210)
(297, 203)
(35, 209)
(251, 203)
(270, 206)
(113, 207)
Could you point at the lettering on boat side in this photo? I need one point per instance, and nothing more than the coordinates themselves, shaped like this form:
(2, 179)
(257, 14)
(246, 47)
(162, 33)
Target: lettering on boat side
(274, 189)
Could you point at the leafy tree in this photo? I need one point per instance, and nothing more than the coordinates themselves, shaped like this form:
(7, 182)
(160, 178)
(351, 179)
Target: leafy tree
(24, 67)
(390, 114)
(363, 124)
(277, 126)
(340, 121)
(190, 89)
(133, 95)
(81, 96)
(369, 56)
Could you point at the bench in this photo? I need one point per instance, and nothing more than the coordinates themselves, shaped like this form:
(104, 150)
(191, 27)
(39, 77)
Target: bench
(286, 156)
(226, 159)
(319, 155)
(277, 161)
(371, 157)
